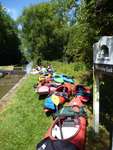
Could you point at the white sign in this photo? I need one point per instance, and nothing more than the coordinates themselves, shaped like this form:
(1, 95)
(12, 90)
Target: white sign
(103, 51)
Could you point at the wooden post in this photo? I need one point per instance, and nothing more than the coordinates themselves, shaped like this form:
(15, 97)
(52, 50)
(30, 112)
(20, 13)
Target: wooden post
(96, 100)
(112, 139)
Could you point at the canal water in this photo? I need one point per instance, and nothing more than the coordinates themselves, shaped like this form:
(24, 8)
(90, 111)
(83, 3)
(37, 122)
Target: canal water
(9, 80)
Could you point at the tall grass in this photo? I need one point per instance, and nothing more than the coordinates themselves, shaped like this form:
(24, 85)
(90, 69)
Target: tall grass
(78, 70)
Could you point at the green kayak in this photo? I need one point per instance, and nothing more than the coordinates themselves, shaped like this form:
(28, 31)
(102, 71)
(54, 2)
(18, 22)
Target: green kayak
(58, 78)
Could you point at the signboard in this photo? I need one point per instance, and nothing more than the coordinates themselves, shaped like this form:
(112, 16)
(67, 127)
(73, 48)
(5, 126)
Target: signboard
(104, 68)
(103, 53)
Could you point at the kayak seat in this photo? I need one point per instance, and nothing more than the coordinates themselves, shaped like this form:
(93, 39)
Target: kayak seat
(54, 85)
(68, 123)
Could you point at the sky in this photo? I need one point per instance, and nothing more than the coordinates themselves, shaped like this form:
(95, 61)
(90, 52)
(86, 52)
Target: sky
(15, 7)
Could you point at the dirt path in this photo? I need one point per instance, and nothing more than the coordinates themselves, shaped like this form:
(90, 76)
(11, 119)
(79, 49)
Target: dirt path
(7, 97)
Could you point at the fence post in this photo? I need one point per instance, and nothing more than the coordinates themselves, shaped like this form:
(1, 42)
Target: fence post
(96, 100)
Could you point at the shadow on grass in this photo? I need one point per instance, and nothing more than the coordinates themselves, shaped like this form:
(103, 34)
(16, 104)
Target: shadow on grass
(42, 97)
(97, 141)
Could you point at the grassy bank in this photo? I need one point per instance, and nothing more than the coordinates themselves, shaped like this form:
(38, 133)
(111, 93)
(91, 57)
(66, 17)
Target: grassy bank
(23, 123)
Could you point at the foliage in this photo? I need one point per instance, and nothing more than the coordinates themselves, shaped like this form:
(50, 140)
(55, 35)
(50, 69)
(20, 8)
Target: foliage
(104, 17)
(97, 141)
(9, 41)
(44, 31)
(82, 35)
(106, 103)
(58, 35)
(94, 19)
(65, 29)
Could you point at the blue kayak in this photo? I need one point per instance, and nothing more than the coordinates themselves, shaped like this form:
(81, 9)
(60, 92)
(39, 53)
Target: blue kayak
(49, 104)
(67, 78)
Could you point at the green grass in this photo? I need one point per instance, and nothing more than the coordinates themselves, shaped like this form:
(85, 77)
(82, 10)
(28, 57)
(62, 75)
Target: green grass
(23, 122)
(96, 141)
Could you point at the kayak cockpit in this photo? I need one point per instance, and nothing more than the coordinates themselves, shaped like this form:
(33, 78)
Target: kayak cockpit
(65, 128)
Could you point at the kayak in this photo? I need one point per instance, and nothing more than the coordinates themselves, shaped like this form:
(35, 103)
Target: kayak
(84, 93)
(43, 90)
(76, 101)
(71, 119)
(67, 79)
(63, 78)
(58, 78)
(66, 88)
(47, 78)
(47, 88)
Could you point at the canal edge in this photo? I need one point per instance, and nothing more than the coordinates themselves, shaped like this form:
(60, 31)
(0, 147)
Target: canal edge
(7, 97)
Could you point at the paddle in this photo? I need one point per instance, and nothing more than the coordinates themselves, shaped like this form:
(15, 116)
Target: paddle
(60, 126)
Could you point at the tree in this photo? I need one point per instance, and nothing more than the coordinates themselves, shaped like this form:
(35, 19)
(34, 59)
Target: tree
(9, 42)
(83, 34)
(104, 17)
(45, 30)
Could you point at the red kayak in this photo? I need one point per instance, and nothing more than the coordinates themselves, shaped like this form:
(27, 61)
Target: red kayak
(76, 101)
(68, 127)
(83, 92)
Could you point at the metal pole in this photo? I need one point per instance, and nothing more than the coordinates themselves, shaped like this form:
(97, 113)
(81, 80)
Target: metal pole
(96, 100)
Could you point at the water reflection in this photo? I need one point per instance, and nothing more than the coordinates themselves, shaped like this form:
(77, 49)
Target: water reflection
(9, 79)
